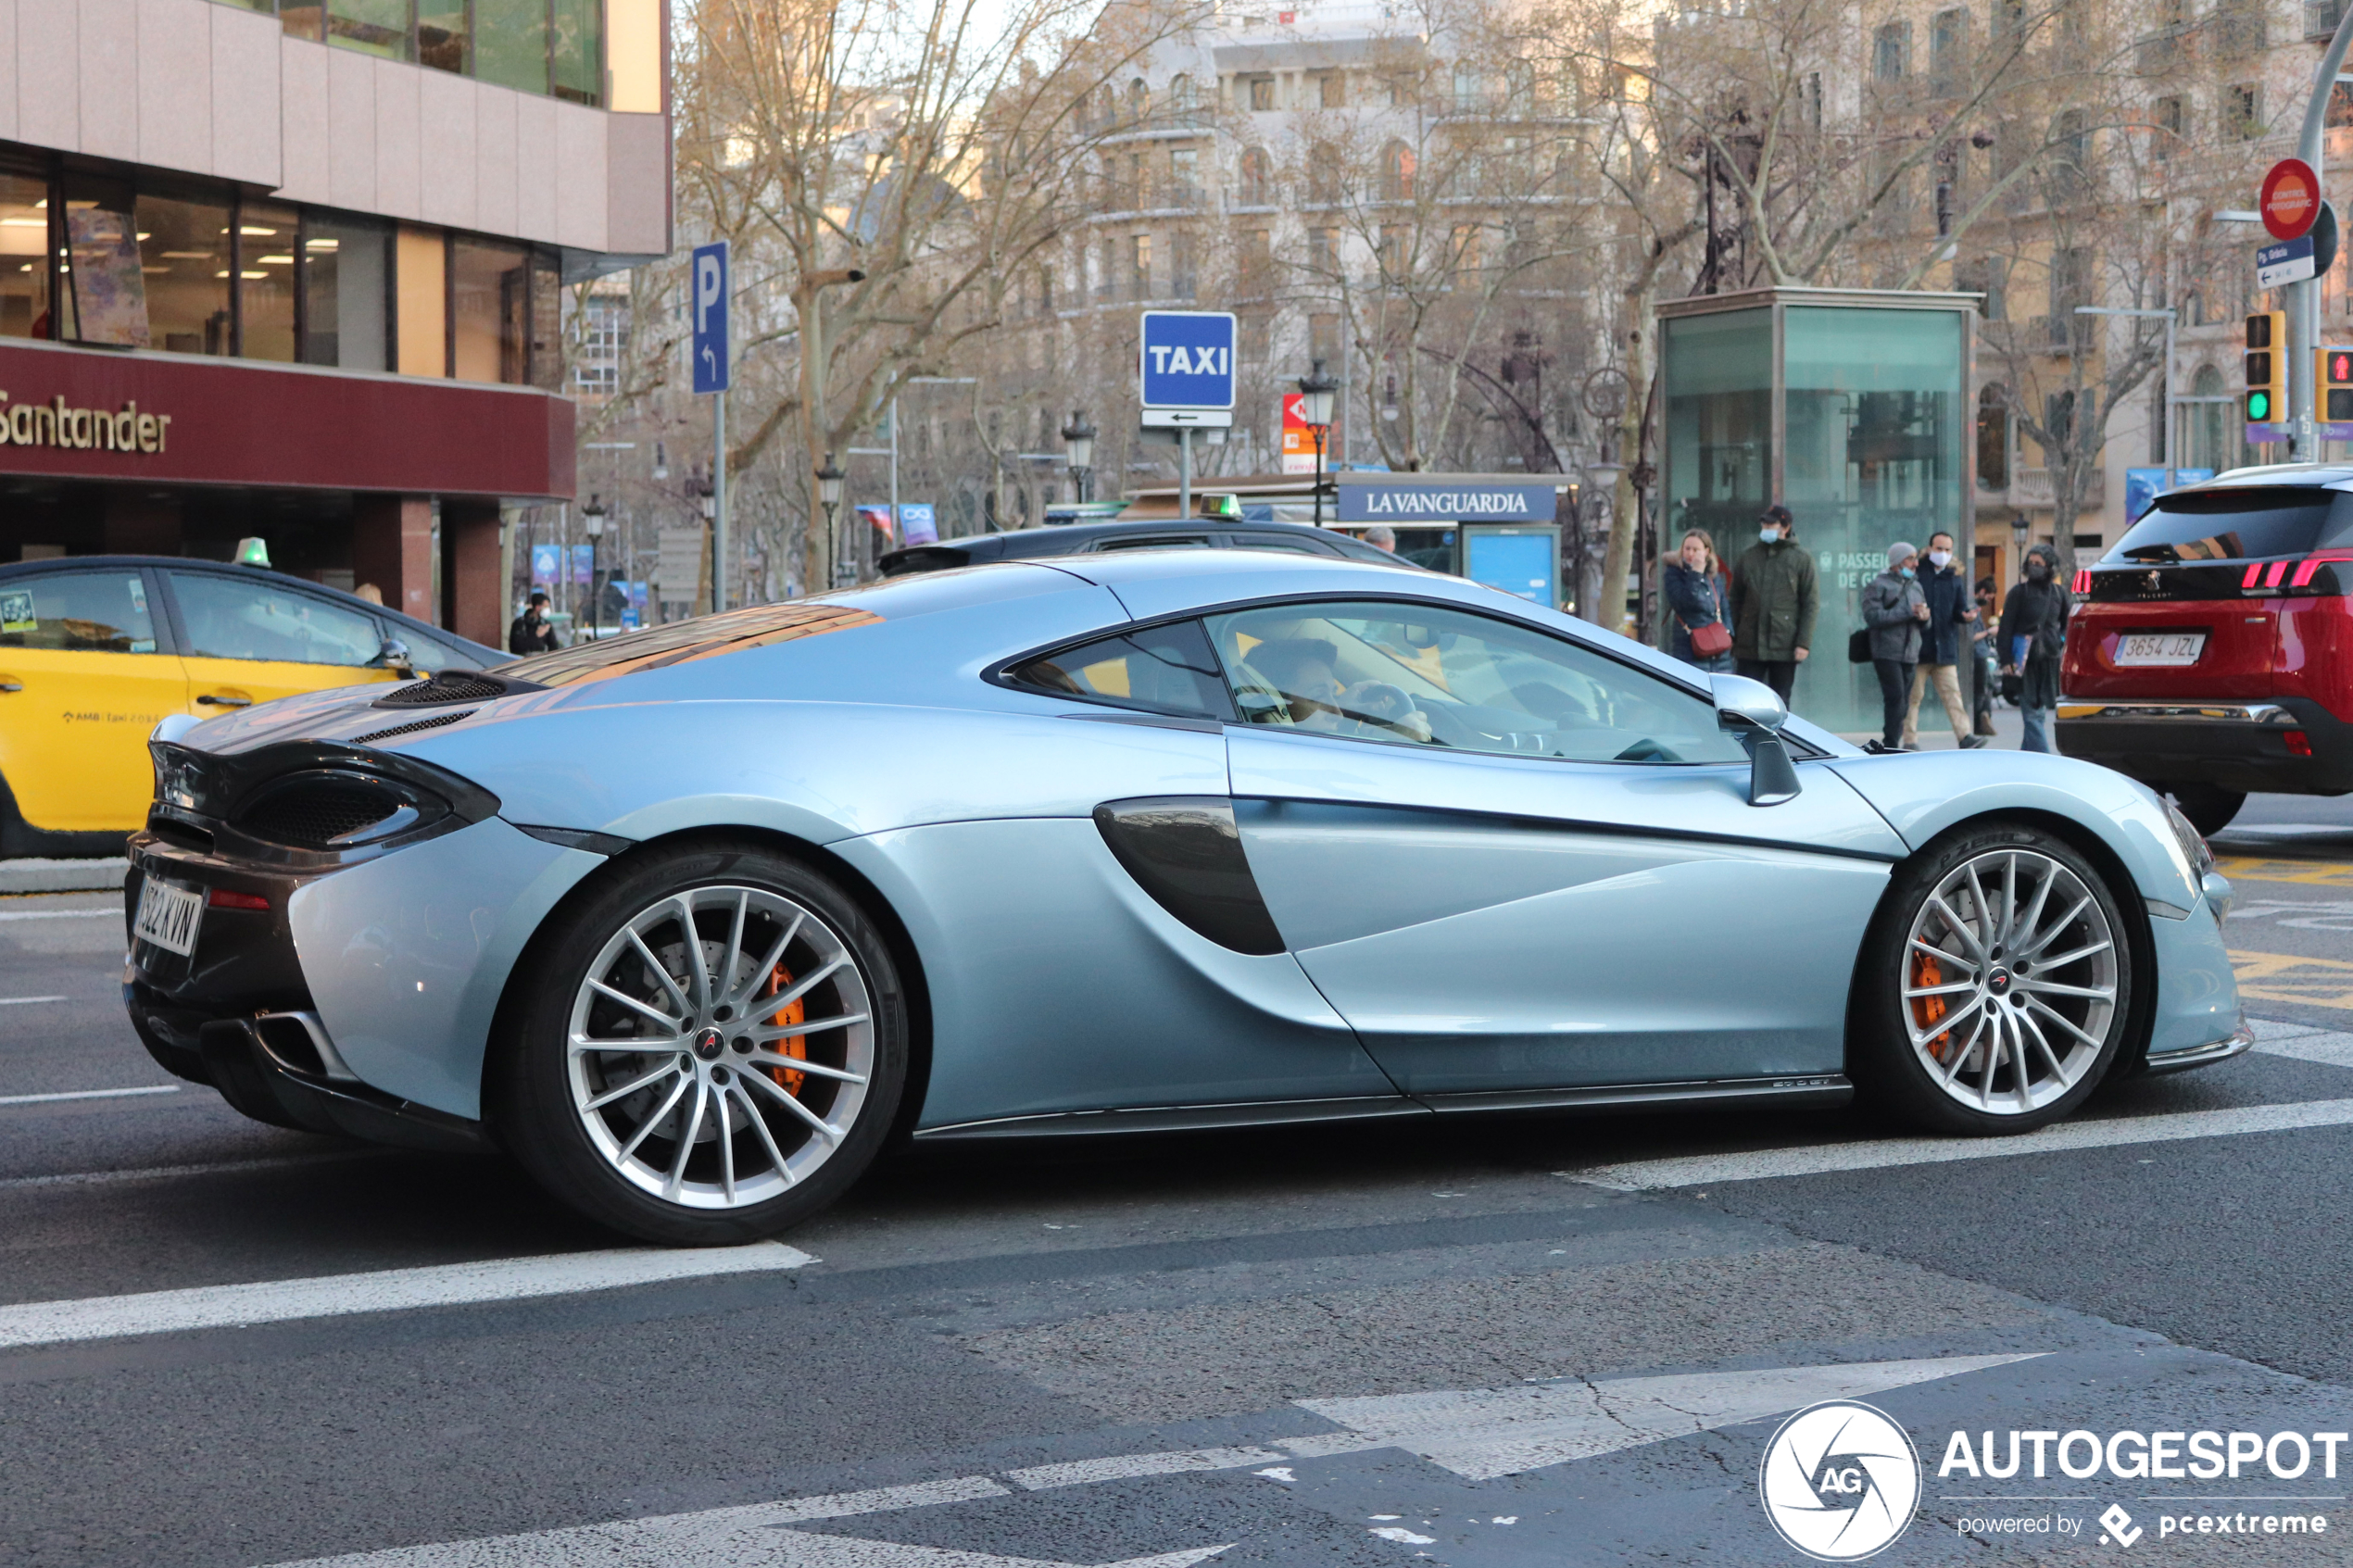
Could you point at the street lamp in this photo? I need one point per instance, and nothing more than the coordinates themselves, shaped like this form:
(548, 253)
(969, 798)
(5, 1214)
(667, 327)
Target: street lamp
(1315, 391)
(829, 497)
(591, 522)
(1079, 444)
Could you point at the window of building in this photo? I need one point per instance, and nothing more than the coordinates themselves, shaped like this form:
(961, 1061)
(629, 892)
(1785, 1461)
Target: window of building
(575, 50)
(1892, 51)
(1947, 52)
(186, 258)
(2321, 17)
(489, 309)
(1323, 250)
(24, 255)
(346, 272)
(1262, 94)
(443, 36)
(267, 262)
(1470, 88)
(1140, 100)
(1183, 270)
(1331, 89)
(1993, 438)
(1257, 178)
(420, 301)
(1107, 273)
(2243, 111)
(375, 26)
(1984, 277)
(1811, 106)
(1257, 257)
(547, 368)
(556, 47)
(510, 44)
(1184, 176)
(1139, 266)
(604, 340)
(1395, 247)
(2168, 118)
(1397, 173)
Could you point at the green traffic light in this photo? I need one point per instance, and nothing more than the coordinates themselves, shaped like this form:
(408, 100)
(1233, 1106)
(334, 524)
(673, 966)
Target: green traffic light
(2258, 407)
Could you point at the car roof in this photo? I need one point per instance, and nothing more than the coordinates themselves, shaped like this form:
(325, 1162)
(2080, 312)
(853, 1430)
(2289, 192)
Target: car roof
(2319, 476)
(1065, 537)
(229, 569)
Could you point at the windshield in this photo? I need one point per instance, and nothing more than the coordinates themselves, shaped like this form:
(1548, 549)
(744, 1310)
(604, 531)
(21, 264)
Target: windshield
(703, 637)
(2243, 524)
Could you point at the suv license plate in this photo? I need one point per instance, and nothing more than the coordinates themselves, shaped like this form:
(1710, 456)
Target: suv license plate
(2158, 648)
(169, 916)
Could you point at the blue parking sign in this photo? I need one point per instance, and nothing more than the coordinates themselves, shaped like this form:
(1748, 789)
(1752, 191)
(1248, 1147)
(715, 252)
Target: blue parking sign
(1186, 363)
(708, 303)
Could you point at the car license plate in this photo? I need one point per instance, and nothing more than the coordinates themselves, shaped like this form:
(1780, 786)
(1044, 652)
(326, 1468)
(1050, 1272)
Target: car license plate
(169, 916)
(2158, 648)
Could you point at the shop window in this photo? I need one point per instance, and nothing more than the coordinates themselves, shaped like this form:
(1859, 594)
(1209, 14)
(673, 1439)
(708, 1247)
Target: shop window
(186, 251)
(374, 26)
(24, 255)
(266, 240)
(442, 36)
(547, 325)
(489, 300)
(421, 308)
(576, 50)
(510, 44)
(344, 275)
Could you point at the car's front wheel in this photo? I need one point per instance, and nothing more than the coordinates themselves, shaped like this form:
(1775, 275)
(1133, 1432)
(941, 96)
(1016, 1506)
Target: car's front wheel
(713, 1049)
(1996, 984)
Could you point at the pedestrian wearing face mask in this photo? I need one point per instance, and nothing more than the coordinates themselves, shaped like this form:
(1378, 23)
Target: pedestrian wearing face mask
(1776, 597)
(1949, 610)
(2033, 640)
(1987, 633)
(1895, 610)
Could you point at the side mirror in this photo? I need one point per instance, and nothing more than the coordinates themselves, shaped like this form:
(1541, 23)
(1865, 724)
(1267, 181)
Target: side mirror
(392, 654)
(1755, 712)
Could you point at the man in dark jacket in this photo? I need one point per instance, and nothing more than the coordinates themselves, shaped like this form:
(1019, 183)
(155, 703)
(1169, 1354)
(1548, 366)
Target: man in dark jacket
(2033, 640)
(532, 632)
(1776, 596)
(1949, 610)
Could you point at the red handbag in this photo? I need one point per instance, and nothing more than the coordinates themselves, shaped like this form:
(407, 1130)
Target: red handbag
(1711, 640)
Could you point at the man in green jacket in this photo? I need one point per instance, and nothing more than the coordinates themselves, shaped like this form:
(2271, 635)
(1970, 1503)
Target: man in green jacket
(1776, 596)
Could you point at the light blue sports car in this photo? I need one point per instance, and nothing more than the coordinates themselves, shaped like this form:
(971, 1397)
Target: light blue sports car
(692, 921)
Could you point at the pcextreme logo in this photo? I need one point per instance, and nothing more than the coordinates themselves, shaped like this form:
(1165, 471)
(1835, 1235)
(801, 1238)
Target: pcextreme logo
(1840, 1481)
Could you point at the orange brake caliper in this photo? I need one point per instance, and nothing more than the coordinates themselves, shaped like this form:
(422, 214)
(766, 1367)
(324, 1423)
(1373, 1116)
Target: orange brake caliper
(796, 1011)
(1926, 971)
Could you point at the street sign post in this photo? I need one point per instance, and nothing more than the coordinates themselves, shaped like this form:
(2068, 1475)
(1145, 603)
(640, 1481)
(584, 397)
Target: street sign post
(2289, 261)
(2291, 198)
(1185, 370)
(711, 293)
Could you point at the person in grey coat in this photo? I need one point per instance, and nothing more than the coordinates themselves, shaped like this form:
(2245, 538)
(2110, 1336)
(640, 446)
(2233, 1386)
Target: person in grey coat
(1895, 610)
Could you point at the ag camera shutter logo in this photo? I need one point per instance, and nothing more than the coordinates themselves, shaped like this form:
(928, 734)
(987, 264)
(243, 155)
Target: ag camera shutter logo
(1840, 1481)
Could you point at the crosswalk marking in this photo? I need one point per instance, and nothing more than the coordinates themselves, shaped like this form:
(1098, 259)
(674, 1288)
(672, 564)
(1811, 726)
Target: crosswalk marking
(383, 1290)
(1125, 1467)
(2289, 977)
(2312, 873)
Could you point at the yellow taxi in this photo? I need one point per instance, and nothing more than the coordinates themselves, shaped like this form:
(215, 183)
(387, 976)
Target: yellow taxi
(94, 649)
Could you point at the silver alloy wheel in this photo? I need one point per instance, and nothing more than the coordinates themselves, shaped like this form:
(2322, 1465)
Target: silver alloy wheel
(2010, 982)
(720, 1047)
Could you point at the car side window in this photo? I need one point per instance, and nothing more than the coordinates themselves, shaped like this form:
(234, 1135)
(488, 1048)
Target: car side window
(429, 655)
(1155, 542)
(78, 611)
(1278, 542)
(1157, 669)
(1421, 675)
(237, 617)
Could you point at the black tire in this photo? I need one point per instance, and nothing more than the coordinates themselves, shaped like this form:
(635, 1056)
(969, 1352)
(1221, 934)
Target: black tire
(2209, 808)
(1903, 1078)
(541, 1102)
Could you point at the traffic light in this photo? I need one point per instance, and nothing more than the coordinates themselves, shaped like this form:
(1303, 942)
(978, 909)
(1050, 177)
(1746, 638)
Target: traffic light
(2333, 383)
(2267, 368)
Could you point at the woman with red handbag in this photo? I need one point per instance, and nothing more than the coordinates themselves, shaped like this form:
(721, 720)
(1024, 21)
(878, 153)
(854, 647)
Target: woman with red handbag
(1696, 593)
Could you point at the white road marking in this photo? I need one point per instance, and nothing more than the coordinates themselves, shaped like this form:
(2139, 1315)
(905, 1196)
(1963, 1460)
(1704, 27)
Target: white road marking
(26, 1001)
(383, 1290)
(1699, 1170)
(60, 914)
(1124, 1467)
(89, 1093)
(1481, 1433)
(173, 1172)
(883, 1499)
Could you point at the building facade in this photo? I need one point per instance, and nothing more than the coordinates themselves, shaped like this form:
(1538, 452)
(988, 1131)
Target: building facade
(292, 270)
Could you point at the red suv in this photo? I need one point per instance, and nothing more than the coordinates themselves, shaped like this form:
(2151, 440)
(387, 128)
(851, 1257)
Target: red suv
(2214, 657)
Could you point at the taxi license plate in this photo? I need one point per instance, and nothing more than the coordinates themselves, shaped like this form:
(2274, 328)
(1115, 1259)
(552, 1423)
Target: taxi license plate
(169, 916)
(2158, 648)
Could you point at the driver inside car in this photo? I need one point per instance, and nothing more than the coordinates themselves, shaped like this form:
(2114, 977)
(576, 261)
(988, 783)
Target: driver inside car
(1305, 671)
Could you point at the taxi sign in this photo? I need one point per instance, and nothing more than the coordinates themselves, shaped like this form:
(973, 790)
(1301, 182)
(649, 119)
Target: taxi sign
(2291, 198)
(1185, 367)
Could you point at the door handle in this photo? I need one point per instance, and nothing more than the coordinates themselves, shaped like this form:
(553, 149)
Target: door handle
(11, 685)
(209, 700)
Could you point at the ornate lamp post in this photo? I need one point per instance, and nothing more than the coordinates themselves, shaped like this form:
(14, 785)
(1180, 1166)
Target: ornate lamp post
(1078, 443)
(1315, 391)
(591, 522)
(829, 497)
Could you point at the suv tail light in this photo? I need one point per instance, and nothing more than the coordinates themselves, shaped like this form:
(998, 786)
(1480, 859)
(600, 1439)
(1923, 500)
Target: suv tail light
(2305, 568)
(2082, 584)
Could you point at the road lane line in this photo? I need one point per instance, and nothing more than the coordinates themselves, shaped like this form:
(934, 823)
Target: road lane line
(383, 1290)
(882, 1500)
(171, 1172)
(89, 1093)
(1699, 1170)
(1124, 1467)
(26, 1001)
(59, 914)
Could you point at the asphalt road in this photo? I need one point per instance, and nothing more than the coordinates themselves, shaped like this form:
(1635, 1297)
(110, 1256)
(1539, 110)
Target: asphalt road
(1540, 1341)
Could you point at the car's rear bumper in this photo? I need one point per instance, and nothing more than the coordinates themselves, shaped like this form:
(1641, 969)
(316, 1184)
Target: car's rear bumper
(2233, 745)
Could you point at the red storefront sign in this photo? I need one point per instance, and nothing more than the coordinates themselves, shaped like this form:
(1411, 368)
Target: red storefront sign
(175, 419)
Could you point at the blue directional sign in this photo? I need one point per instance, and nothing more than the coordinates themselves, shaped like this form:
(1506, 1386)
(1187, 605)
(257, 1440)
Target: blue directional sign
(1186, 367)
(709, 286)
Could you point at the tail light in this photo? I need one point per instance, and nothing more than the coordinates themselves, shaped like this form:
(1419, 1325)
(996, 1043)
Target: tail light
(2277, 575)
(222, 899)
(2299, 744)
(2254, 578)
(2307, 567)
(2082, 584)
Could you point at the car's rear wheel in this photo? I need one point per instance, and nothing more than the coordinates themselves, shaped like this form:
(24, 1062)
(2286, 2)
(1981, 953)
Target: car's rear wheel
(1996, 984)
(2209, 806)
(714, 1048)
